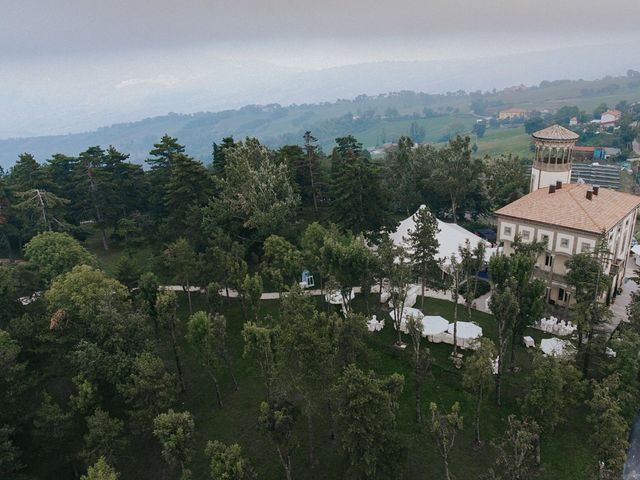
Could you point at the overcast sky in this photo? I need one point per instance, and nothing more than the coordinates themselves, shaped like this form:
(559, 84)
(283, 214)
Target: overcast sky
(329, 31)
(76, 64)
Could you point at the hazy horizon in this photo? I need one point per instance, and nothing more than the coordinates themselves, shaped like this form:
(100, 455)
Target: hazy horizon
(76, 66)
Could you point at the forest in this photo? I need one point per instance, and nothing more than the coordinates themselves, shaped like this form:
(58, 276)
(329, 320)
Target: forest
(152, 322)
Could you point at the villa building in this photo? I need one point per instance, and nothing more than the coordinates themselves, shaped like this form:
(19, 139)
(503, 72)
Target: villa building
(569, 217)
(513, 113)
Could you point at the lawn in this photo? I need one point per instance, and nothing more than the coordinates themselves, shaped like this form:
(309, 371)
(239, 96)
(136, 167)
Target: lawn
(564, 455)
(504, 141)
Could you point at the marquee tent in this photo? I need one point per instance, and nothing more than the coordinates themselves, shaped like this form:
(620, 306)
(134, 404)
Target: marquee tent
(450, 237)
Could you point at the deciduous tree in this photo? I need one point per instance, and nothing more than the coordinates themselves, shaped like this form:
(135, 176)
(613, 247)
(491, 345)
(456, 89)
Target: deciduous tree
(207, 336)
(444, 428)
(167, 312)
(504, 306)
(423, 249)
(181, 260)
(478, 375)
(367, 409)
(515, 451)
(226, 462)
(277, 419)
(101, 470)
(175, 432)
(104, 438)
(610, 430)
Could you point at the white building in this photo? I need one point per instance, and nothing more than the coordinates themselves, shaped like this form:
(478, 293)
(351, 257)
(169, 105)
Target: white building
(570, 218)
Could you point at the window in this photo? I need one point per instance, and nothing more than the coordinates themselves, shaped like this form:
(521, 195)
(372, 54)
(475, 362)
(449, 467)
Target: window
(564, 243)
(525, 235)
(563, 295)
(585, 247)
(548, 260)
(545, 239)
(507, 230)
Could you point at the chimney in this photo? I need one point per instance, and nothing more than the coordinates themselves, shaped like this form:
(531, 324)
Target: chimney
(596, 188)
(552, 188)
(589, 194)
(558, 184)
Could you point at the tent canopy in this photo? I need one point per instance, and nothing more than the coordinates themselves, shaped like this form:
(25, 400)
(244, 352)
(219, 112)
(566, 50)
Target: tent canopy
(555, 347)
(450, 237)
(466, 330)
(433, 325)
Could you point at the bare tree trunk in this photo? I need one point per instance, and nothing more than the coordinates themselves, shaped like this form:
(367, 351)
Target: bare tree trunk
(454, 207)
(286, 462)
(512, 360)
(445, 457)
(233, 377)
(455, 327)
(176, 355)
(587, 352)
(418, 398)
(478, 416)
(218, 395)
(103, 235)
(310, 438)
(422, 301)
(313, 187)
(187, 289)
(334, 429)
(499, 378)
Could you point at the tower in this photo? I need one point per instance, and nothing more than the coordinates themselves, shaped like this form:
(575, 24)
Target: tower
(552, 163)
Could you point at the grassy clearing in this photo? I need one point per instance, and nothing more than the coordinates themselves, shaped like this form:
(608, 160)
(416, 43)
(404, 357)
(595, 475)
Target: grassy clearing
(504, 141)
(564, 455)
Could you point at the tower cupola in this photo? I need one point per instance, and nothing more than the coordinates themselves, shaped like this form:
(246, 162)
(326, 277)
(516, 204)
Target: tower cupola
(552, 162)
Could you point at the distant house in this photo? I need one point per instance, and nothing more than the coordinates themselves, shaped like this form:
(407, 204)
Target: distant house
(513, 113)
(583, 154)
(573, 121)
(610, 118)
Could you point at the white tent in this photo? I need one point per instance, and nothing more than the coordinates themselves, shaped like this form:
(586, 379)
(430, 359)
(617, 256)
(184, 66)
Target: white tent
(450, 237)
(466, 334)
(434, 325)
(406, 313)
(556, 347)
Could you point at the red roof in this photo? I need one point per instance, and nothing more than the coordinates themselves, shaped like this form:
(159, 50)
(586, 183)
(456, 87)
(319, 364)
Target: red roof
(584, 149)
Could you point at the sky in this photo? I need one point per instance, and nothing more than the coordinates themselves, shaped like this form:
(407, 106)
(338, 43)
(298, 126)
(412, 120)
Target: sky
(76, 58)
(331, 32)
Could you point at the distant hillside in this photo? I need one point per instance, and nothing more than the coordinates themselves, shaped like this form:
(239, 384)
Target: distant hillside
(372, 119)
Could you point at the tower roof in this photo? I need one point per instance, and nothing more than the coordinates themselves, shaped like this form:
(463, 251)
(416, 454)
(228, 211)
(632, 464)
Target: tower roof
(555, 132)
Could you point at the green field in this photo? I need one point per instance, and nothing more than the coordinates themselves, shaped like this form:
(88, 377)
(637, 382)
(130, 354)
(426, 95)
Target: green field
(504, 141)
